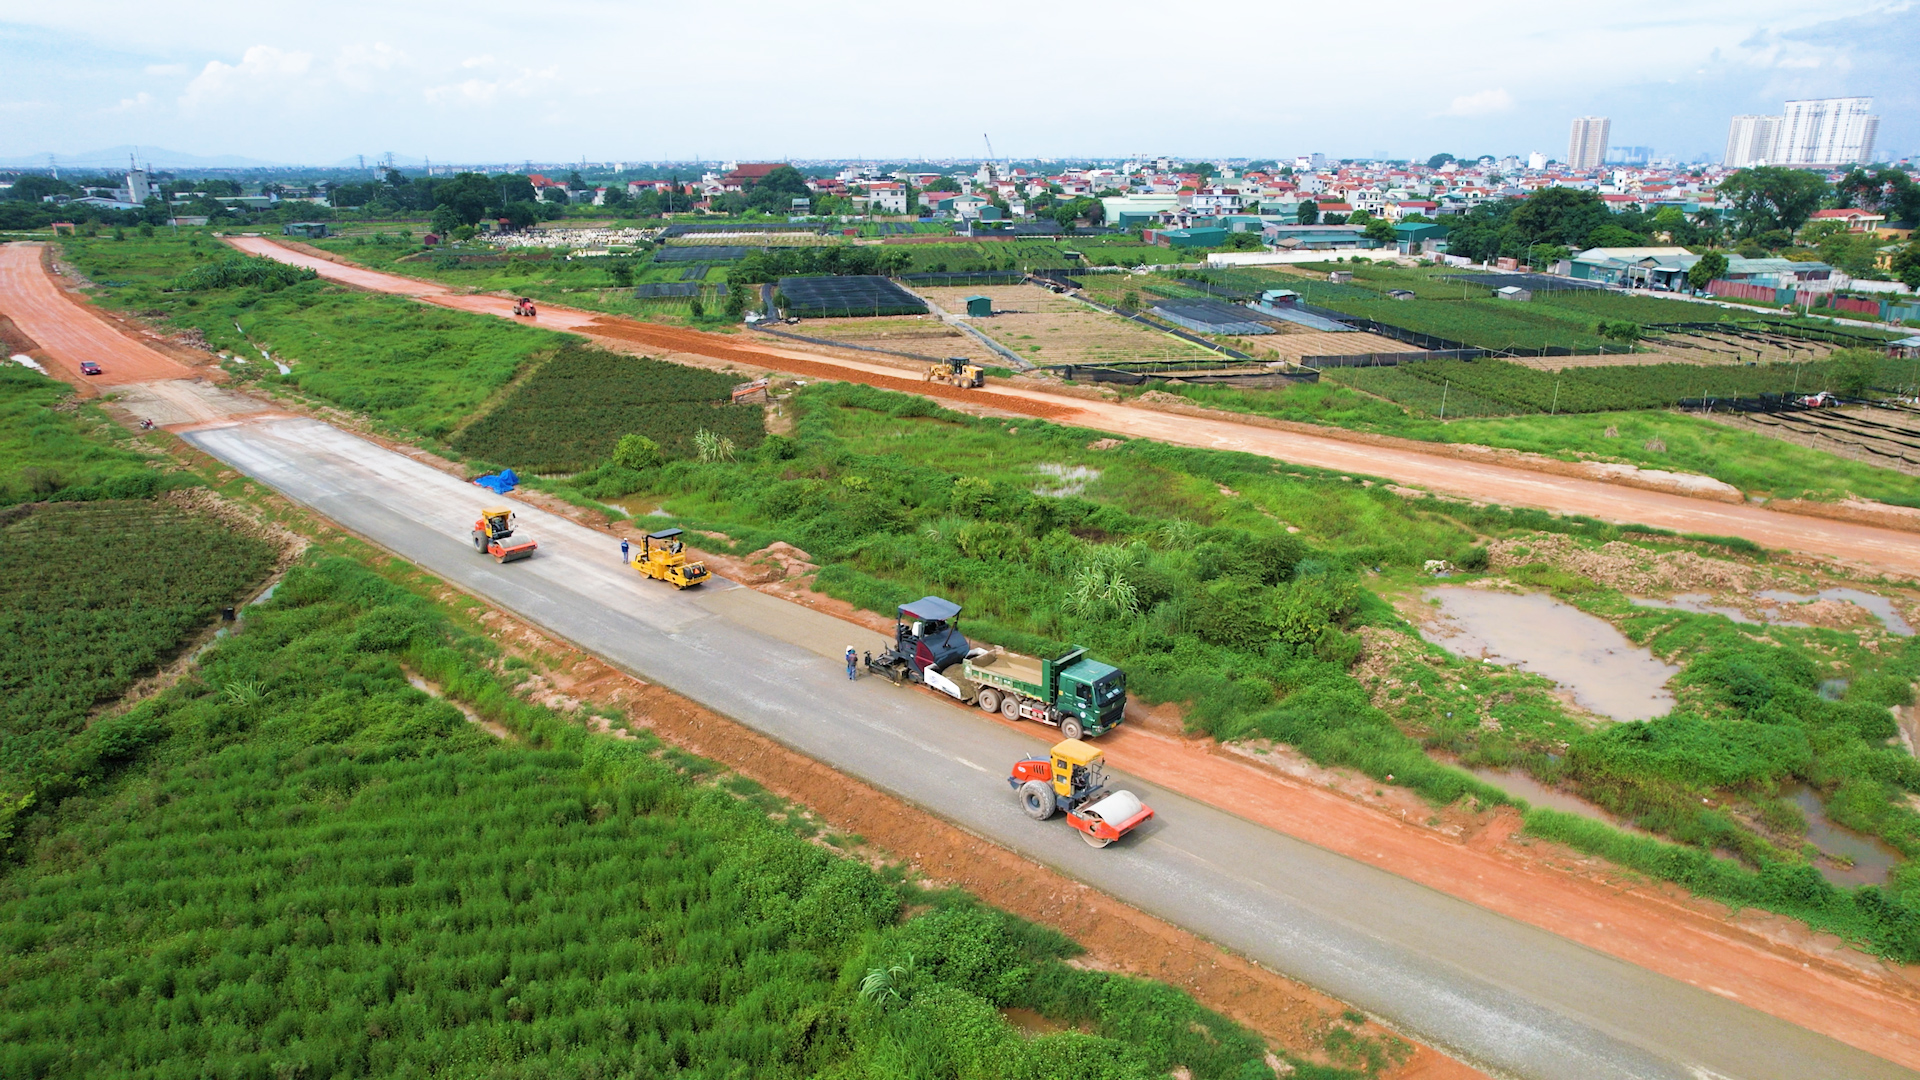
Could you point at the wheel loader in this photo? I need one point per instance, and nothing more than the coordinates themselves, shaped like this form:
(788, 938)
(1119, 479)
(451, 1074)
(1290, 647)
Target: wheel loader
(663, 557)
(1073, 778)
(956, 371)
(493, 535)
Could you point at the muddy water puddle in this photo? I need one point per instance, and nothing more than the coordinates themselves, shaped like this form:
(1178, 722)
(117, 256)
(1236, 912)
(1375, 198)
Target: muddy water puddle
(1604, 671)
(1537, 794)
(1872, 859)
(1777, 607)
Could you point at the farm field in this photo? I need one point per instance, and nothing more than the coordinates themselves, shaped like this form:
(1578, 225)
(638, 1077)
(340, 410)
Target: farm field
(1178, 565)
(374, 886)
(922, 334)
(413, 367)
(569, 414)
(1618, 387)
(1047, 328)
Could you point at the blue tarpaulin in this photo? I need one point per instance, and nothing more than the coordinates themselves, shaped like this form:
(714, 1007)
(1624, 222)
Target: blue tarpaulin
(501, 482)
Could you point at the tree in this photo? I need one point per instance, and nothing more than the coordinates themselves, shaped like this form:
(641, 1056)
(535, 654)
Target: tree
(1558, 215)
(1711, 266)
(520, 215)
(1309, 212)
(1772, 198)
(1242, 241)
(1906, 265)
(1854, 370)
(775, 192)
(1438, 160)
(636, 452)
(621, 270)
(574, 182)
(943, 183)
(1885, 191)
(1378, 229)
(469, 195)
(1610, 235)
(445, 219)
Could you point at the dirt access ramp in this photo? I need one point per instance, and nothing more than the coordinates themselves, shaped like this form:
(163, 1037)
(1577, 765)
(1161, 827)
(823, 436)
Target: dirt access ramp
(68, 332)
(1610, 499)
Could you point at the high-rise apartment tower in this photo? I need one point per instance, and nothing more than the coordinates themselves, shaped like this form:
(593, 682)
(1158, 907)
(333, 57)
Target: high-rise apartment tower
(1826, 131)
(1587, 146)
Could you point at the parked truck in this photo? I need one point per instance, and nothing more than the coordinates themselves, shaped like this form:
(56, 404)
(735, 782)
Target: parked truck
(1081, 696)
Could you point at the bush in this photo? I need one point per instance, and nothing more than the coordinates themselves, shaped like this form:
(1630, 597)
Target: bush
(636, 452)
(243, 271)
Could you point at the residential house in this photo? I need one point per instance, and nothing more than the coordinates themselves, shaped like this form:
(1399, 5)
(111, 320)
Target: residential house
(1856, 220)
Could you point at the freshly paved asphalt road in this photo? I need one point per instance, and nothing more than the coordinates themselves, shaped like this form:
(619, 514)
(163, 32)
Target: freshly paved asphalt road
(1508, 997)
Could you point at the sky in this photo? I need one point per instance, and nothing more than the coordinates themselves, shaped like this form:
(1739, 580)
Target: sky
(484, 81)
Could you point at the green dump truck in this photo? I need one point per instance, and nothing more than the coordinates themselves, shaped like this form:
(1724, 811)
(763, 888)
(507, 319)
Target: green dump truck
(1081, 696)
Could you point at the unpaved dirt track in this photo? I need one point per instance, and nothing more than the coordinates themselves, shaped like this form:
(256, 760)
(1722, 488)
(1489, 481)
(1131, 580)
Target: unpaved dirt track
(69, 333)
(1508, 996)
(1866, 545)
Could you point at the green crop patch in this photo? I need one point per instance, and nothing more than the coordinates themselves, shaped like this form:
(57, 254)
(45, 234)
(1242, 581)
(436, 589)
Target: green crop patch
(298, 864)
(1624, 386)
(570, 414)
(93, 595)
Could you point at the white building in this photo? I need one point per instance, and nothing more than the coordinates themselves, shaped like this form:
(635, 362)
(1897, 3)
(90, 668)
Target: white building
(1827, 131)
(1536, 161)
(1751, 141)
(1587, 144)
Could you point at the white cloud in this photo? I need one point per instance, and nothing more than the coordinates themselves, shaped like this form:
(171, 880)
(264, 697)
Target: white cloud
(483, 60)
(262, 68)
(138, 101)
(485, 91)
(362, 67)
(1480, 104)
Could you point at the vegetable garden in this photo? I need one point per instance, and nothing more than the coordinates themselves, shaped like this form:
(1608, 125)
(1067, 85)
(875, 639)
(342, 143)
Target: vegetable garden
(569, 414)
(1618, 387)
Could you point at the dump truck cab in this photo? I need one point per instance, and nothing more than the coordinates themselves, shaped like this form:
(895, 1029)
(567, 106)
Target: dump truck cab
(663, 557)
(1072, 778)
(493, 535)
(1088, 690)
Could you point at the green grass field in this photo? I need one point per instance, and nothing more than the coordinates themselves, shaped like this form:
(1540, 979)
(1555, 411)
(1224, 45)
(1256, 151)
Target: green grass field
(411, 366)
(53, 447)
(1179, 565)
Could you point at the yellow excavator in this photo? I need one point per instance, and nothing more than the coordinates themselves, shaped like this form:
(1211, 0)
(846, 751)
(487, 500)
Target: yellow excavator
(663, 557)
(956, 371)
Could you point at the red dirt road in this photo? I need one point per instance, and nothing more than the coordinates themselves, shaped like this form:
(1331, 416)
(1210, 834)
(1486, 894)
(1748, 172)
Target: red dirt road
(1866, 545)
(69, 333)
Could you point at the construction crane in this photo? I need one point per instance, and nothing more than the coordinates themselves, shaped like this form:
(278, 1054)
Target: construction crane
(992, 173)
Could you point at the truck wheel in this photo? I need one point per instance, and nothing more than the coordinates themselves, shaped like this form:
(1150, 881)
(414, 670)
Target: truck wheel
(989, 700)
(1070, 728)
(1010, 707)
(1036, 798)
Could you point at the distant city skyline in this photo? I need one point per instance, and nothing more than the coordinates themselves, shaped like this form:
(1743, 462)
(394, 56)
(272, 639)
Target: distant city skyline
(483, 83)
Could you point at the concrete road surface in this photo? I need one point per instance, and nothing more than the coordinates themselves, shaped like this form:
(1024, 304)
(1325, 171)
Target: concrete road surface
(1508, 997)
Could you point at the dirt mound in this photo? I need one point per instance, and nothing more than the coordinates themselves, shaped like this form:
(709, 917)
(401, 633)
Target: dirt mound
(1627, 567)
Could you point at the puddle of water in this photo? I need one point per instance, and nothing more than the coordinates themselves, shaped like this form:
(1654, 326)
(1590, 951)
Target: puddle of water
(1834, 689)
(27, 361)
(639, 506)
(1031, 1023)
(1539, 794)
(1534, 632)
(1881, 607)
(1068, 480)
(1873, 859)
(284, 369)
(1699, 604)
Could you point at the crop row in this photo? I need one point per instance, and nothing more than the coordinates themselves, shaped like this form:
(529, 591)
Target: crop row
(1618, 387)
(571, 412)
(92, 594)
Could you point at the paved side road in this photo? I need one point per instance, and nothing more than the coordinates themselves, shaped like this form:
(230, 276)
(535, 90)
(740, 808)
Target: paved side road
(1509, 997)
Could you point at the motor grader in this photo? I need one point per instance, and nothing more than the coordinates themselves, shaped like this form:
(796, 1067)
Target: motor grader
(1073, 778)
(956, 371)
(663, 557)
(493, 535)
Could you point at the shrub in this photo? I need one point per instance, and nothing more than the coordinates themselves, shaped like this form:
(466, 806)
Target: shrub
(636, 452)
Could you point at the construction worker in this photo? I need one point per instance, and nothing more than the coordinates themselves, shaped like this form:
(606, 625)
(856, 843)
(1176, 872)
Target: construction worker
(623, 551)
(851, 657)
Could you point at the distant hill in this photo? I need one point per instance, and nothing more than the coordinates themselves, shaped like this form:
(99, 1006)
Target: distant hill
(115, 158)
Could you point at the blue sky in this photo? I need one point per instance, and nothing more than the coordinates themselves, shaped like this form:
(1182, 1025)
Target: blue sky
(485, 81)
